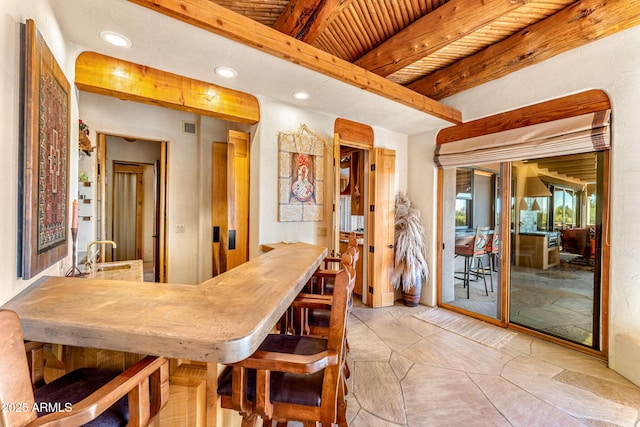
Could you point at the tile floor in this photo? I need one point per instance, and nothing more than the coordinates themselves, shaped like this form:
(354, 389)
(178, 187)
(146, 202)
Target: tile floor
(408, 371)
(557, 301)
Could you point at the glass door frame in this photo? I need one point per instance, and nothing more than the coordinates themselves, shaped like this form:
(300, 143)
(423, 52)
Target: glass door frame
(601, 293)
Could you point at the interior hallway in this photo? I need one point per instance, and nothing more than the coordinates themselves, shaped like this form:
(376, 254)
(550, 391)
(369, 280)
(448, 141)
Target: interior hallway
(428, 366)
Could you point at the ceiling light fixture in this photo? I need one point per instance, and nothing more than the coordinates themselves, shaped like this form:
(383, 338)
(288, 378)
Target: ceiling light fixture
(226, 72)
(301, 95)
(115, 39)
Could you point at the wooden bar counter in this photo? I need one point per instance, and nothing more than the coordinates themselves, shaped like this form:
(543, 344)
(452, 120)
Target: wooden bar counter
(223, 319)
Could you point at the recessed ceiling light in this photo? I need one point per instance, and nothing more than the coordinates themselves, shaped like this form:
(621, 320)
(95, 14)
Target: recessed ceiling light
(115, 39)
(301, 95)
(226, 72)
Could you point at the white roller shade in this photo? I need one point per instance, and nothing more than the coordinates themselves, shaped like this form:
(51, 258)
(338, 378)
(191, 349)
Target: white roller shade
(578, 134)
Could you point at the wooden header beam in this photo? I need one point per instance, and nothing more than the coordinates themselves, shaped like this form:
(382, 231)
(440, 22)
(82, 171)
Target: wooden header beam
(109, 76)
(555, 109)
(354, 133)
(211, 17)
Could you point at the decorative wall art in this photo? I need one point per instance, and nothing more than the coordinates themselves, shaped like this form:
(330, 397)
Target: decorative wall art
(301, 176)
(44, 156)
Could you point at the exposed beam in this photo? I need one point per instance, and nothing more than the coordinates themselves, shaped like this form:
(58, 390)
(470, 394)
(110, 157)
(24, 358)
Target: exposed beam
(209, 16)
(448, 23)
(133, 82)
(581, 23)
(574, 26)
(306, 19)
(568, 106)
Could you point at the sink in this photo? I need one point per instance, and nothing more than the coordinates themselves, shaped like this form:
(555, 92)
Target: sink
(120, 270)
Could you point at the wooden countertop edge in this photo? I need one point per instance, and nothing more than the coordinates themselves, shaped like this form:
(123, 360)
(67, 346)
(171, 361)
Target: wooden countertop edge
(132, 338)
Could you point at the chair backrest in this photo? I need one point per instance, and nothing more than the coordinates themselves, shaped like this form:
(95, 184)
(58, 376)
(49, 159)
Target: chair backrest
(493, 242)
(481, 240)
(15, 383)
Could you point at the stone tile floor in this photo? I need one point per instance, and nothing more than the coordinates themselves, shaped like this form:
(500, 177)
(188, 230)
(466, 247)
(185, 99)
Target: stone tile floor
(406, 371)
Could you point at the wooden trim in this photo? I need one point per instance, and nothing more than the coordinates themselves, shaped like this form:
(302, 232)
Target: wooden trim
(505, 241)
(605, 247)
(164, 179)
(456, 19)
(102, 74)
(578, 24)
(561, 108)
(354, 134)
(336, 195)
(439, 236)
(102, 167)
(211, 17)
(580, 348)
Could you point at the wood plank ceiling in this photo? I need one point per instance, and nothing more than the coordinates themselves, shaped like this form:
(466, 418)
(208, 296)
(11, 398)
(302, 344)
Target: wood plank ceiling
(415, 52)
(441, 47)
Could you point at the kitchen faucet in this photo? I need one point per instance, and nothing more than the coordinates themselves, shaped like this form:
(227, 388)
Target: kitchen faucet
(91, 260)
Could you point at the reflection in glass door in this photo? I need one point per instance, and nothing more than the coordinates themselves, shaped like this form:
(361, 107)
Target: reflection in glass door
(471, 218)
(556, 230)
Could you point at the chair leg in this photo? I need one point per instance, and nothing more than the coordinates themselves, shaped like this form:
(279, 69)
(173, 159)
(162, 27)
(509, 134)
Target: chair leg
(341, 418)
(467, 273)
(249, 420)
(489, 259)
(484, 277)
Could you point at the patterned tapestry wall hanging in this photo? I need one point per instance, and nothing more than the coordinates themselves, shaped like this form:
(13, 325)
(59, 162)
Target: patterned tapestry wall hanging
(44, 183)
(301, 176)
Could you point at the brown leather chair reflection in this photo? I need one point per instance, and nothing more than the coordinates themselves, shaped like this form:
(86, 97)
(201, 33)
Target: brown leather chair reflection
(88, 396)
(577, 241)
(294, 377)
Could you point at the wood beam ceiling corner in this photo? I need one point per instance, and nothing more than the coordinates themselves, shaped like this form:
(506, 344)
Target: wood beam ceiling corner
(211, 17)
(578, 24)
(448, 23)
(109, 76)
(306, 19)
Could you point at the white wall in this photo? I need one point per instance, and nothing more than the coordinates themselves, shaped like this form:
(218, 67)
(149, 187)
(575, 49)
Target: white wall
(613, 65)
(276, 117)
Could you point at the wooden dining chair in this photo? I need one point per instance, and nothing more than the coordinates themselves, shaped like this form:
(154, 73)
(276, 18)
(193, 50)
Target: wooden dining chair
(294, 377)
(88, 396)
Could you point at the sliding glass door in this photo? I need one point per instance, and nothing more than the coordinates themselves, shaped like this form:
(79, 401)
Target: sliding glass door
(551, 277)
(555, 266)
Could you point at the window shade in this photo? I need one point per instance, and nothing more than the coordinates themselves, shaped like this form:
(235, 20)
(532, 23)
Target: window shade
(578, 134)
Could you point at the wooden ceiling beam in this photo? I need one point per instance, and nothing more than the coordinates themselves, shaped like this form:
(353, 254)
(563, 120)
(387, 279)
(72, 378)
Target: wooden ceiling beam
(576, 25)
(446, 24)
(305, 20)
(211, 17)
(109, 76)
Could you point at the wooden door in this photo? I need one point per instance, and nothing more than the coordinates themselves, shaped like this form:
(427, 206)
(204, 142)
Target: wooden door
(230, 198)
(219, 210)
(380, 292)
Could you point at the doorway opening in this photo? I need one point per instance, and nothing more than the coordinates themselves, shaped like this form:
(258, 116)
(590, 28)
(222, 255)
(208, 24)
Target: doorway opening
(131, 203)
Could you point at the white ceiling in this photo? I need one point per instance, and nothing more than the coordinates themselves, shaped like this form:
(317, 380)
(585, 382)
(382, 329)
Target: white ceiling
(171, 45)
